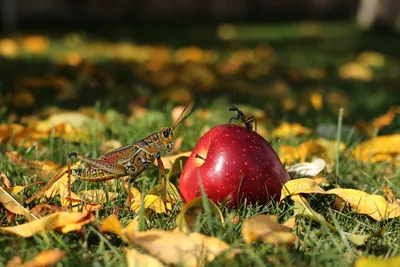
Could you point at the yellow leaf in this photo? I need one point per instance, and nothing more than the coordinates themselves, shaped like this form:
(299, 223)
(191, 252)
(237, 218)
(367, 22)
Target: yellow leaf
(267, 228)
(377, 262)
(152, 202)
(316, 101)
(75, 119)
(14, 206)
(168, 161)
(186, 219)
(8, 48)
(386, 145)
(53, 221)
(287, 130)
(374, 206)
(136, 259)
(35, 44)
(322, 148)
(355, 71)
(43, 259)
(371, 59)
(177, 247)
(389, 194)
(386, 119)
(291, 222)
(301, 186)
(112, 225)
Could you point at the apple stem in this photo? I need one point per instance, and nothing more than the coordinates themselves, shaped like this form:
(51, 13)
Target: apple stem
(200, 157)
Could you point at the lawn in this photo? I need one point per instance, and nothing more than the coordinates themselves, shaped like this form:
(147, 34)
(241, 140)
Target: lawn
(316, 90)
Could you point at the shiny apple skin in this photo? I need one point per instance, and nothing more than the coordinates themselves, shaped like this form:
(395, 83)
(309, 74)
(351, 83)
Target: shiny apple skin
(234, 160)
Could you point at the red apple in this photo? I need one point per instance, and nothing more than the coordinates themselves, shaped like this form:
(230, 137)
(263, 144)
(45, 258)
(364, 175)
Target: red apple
(233, 164)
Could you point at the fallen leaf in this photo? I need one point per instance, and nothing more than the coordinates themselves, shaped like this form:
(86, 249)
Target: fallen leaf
(377, 262)
(153, 202)
(321, 148)
(177, 247)
(14, 206)
(192, 210)
(386, 119)
(291, 222)
(287, 130)
(35, 44)
(316, 101)
(389, 194)
(8, 48)
(46, 258)
(356, 71)
(112, 225)
(7, 183)
(378, 146)
(306, 169)
(55, 221)
(268, 229)
(136, 259)
(374, 206)
(371, 59)
(301, 186)
(168, 161)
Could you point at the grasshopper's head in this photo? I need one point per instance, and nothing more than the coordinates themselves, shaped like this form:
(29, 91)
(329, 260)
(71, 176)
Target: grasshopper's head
(167, 137)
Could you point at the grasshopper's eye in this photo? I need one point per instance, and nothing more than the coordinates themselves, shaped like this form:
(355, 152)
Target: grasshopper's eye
(166, 134)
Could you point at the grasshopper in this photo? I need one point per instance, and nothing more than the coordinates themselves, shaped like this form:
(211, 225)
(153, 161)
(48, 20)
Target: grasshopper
(130, 160)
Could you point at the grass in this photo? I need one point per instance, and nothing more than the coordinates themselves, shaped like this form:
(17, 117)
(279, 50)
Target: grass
(322, 247)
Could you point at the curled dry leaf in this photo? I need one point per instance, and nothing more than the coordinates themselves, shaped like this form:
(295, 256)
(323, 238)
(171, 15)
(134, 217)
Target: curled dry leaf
(374, 206)
(306, 169)
(63, 221)
(192, 210)
(135, 259)
(177, 247)
(377, 262)
(153, 202)
(268, 229)
(14, 206)
(7, 183)
(287, 130)
(168, 161)
(378, 149)
(301, 186)
(43, 259)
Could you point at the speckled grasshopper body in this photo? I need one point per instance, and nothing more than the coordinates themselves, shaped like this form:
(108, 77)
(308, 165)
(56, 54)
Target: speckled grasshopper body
(130, 160)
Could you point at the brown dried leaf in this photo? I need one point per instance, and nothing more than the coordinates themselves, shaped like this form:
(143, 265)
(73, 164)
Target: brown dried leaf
(46, 258)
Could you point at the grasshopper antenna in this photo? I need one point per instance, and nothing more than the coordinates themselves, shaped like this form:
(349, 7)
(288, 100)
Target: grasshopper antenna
(179, 120)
